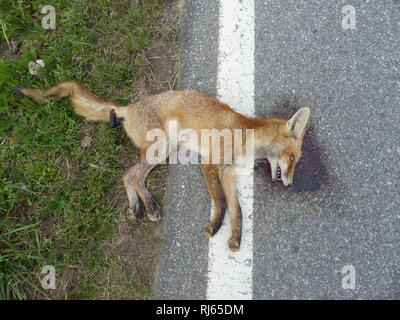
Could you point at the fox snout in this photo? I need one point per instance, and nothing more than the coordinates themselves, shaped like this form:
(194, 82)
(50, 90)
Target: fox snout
(287, 180)
(278, 175)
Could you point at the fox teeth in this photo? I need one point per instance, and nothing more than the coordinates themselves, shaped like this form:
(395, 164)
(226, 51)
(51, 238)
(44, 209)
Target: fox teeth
(279, 173)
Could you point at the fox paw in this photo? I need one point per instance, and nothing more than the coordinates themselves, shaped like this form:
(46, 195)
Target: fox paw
(155, 215)
(133, 212)
(234, 244)
(208, 230)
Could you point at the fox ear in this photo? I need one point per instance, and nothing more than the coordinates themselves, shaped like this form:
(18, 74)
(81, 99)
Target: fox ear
(298, 123)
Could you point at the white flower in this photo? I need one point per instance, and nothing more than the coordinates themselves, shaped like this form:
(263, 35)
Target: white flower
(35, 66)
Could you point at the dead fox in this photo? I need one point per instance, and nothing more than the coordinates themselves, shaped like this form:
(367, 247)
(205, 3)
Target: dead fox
(275, 139)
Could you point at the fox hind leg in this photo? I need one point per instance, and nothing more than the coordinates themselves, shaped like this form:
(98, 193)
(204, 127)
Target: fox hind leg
(135, 181)
(133, 197)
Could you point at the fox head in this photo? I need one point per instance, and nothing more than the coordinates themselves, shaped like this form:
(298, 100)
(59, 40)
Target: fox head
(284, 151)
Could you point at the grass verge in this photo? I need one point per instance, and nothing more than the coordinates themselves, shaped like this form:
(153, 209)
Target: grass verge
(62, 200)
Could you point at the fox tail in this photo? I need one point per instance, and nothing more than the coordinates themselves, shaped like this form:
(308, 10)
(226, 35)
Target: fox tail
(85, 103)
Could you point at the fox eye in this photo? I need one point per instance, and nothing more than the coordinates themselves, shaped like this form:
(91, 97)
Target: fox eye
(292, 158)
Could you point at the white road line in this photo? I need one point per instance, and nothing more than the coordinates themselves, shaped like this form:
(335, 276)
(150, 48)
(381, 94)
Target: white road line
(230, 274)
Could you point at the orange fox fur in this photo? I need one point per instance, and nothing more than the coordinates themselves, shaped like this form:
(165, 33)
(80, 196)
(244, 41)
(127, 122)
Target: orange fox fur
(279, 140)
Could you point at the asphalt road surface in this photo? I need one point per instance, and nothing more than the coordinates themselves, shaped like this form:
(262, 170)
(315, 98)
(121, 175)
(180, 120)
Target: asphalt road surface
(343, 214)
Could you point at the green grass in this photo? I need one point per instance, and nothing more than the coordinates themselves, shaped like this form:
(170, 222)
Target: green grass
(58, 200)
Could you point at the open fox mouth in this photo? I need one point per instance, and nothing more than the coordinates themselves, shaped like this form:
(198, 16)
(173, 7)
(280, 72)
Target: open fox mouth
(279, 173)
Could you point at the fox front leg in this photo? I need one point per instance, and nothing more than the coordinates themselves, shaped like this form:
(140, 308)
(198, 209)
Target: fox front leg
(274, 169)
(211, 175)
(228, 180)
